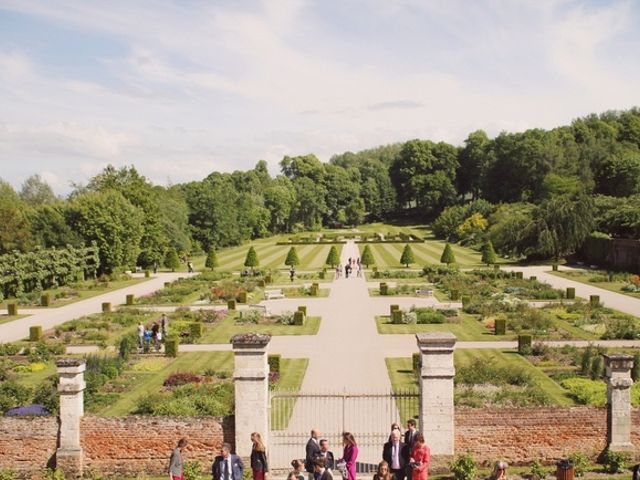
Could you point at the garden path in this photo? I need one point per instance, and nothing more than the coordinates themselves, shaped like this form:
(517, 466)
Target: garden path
(50, 317)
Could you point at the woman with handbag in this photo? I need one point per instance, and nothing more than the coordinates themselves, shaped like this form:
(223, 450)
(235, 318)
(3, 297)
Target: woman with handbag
(420, 457)
(259, 464)
(349, 455)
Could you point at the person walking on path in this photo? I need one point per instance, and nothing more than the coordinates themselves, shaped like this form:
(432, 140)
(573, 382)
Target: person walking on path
(312, 451)
(419, 460)
(410, 434)
(349, 454)
(329, 460)
(259, 465)
(175, 462)
(227, 466)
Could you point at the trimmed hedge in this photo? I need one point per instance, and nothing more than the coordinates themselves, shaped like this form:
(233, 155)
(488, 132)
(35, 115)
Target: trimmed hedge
(303, 309)
(594, 300)
(274, 363)
(12, 309)
(130, 299)
(106, 307)
(571, 293)
(196, 330)
(393, 308)
(415, 362)
(500, 327)
(524, 344)
(45, 300)
(231, 304)
(396, 317)
(384, 289)
(242, 297)
(171, 347)
(35, 333)
(299, 318)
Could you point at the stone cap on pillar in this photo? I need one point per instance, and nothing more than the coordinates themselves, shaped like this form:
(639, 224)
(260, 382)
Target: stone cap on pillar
(436, 341)
(618, 362)
(250, 340)
(71, 366)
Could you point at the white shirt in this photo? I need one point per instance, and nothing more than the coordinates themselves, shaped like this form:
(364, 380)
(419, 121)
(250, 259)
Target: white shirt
(228, 462)
(395, 456)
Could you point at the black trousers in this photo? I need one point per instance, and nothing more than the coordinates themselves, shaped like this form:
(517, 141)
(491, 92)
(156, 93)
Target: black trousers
(398, 474)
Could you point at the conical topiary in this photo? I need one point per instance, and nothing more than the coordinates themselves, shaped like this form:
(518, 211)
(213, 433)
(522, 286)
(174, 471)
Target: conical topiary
(367, 257)
(292, 258)
(407, 256)
(332, 258)
(171, 259)
(212, 259)
(488, 253)
(252, 259)
(447, 255)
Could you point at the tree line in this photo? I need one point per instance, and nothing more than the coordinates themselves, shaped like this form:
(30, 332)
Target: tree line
(528, 192)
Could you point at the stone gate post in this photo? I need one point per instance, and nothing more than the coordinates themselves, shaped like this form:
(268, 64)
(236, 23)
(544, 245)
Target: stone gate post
(69, 455)
(436, 391)
(251, 381)
(618, 377)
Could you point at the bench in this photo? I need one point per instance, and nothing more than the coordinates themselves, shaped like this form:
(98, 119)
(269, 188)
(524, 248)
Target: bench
(424, 292)
(261, 308)
(273, 294)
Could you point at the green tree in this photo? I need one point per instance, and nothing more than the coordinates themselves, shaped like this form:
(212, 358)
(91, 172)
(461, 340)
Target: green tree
(332, 258)
(15, 231)
(171, 259)
(488, 253)
(212, 259)
(367, 257)
(561, 225)
(292, 258)
(447, 255)
(36, 192)
(473, 159)
(111, 221)
(251, 260)
(407, 256)
(49, 227)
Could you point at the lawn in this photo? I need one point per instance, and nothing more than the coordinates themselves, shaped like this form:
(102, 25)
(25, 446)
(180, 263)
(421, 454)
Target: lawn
(583, 276)
(4, 318)
(467, 328)
(148, 378)
(271, 256)
(227, 328)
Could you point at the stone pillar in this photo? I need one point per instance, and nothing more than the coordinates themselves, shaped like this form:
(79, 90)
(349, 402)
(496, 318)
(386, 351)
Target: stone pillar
(618, 377)
(251, 381)
(69, 456)
(436, 391)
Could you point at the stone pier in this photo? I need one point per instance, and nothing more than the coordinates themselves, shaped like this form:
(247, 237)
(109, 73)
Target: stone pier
(436, 390)
(618, 377)
(251, 380)
(69, 456)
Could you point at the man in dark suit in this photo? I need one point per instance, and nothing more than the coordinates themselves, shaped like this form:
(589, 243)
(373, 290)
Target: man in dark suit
(329, 460)
(312, 451)
(394, 453)
(320, 472)
(410, 434)
(227, 466)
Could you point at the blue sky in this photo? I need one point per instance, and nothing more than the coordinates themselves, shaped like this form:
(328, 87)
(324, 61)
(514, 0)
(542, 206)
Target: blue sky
(182, 88)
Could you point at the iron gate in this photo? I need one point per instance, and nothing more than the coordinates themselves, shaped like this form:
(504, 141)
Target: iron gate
(368, 416)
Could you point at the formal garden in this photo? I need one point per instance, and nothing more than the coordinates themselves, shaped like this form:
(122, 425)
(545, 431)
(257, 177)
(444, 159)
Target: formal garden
(614, 281)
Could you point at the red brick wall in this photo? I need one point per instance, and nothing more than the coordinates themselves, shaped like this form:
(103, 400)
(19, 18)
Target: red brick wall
(521, 435)
(25, 443)
(144, 444)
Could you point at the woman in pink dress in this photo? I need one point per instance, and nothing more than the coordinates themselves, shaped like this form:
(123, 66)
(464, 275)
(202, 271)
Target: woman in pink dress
(419, 461)
(349, 454)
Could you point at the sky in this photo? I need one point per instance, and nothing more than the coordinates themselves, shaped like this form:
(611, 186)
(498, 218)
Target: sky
(186, 87)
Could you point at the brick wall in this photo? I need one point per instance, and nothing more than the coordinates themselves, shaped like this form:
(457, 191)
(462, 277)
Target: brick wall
(25, 443)
(143, 444)
(521, 435)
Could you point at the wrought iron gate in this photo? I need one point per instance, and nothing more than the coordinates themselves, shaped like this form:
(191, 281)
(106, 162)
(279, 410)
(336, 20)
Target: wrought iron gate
(368, 416)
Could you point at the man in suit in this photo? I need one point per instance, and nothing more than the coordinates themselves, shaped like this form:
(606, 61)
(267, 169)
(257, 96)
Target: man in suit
(329, 460)
(320, 472)
(410, 434)
(312, 451)
(394, 453)
(227, 466)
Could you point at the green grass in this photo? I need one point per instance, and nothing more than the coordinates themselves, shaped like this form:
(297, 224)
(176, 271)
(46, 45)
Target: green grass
(33, 380)
(222, 332)
(615, 287)
(467, 329)
(291, 376)
(4, 318)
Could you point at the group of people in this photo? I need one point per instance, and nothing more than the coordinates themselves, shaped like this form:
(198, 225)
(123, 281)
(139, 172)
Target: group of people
(348, 268)
(153, 336)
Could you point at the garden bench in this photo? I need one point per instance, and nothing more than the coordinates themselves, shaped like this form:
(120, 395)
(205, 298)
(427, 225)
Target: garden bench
(271, 294)
(262, 308)
(424, 292)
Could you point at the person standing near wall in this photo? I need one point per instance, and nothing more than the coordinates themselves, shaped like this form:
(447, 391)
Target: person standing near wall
(175, 462)
(259, 465)
(420, 458)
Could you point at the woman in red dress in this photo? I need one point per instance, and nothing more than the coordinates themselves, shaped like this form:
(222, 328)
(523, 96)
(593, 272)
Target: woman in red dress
(419, 461)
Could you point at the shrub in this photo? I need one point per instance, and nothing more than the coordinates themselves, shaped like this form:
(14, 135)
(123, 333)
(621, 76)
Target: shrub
(192, 471)
(409, 318)
(181, 378)
(45, 300)
(415, 362)
(524, 344)
(585, 391)
(580, 463)
(500, 327)
(106, 307)
(171, 346)
(35, 333)
(196, 329)
(7, 474)
(285, 318)
(298, 318)
(429, 315)
(231, 304)
(252, 315)
(537, 469)
(53, 474)
(463, 467)
(13, 395)
(12, 309)
(614, 462)
(274, 363)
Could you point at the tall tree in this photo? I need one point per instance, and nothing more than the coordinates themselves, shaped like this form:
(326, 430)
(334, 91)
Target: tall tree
(447, 255)
(292, 258)
(333, 258)
(367, 257)
(473, 159)
(15, 232)
(171, 259)
(407, 256)
(36, 192)
(251, 259)
(212, 259)
(488, 253)
(111, 221)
